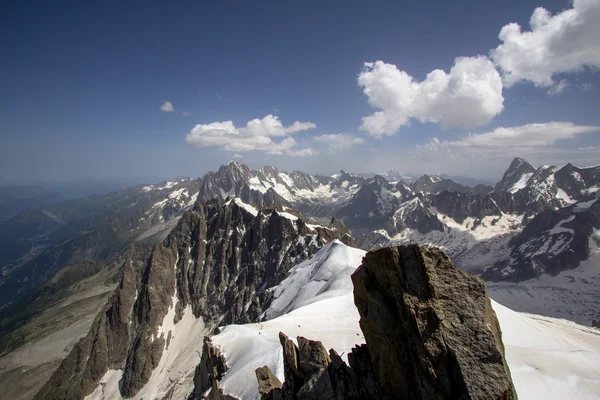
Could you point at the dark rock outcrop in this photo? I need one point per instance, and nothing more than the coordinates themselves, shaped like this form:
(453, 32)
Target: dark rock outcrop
(209, 372)
(311, 374)
(430, 328)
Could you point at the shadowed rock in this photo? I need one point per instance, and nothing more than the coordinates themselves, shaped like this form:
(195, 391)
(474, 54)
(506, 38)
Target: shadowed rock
(430, 328)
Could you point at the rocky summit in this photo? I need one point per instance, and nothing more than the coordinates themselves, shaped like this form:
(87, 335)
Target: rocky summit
(431, 333)
(429, 327)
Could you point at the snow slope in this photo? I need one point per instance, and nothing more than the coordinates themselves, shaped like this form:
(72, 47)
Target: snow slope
(572, 294)
(323, 276)
(174, 373)
(549, 358)
(474, 245)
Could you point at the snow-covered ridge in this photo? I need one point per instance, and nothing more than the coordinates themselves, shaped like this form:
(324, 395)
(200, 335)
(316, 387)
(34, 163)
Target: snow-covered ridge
(548, 358)
(324, 275)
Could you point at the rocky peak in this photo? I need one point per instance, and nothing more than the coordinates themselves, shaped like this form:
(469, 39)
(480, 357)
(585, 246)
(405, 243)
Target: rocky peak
(404, 190)
(578, 183)
(302, 180)
(460, 206)
(414, 214)
(430, 329)
(431, 333)
(424, 184)
(518, 170)
(216, 264)
(540, 191)
(233, 173)
(268, 173)
(378, 181)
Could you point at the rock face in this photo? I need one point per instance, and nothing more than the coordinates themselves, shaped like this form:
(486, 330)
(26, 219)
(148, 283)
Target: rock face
(553, 242)
(518, 169)
(430, 328)
(209, 372)
(311, 373)
(217, 263)
(268, 384)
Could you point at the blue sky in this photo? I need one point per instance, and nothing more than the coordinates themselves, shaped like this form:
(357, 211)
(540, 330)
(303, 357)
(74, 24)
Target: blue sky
(83, 84)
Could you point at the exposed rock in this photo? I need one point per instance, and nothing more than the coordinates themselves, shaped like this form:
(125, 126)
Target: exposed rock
(217, 262)
(210, 370)
(312, 374)
(294, 378)
(553, 242)
(268, 384)
(414, 214)
(430, 328)
(312, 355)
(517, 169)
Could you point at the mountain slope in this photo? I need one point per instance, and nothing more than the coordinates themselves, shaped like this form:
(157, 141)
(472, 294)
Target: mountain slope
(15, 198)
(214, 267)
(545, 354)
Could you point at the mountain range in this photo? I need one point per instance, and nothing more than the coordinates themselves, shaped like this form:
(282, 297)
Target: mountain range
(200, 253)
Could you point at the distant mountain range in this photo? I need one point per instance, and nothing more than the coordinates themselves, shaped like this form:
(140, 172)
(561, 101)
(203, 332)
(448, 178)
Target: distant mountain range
(219, 243)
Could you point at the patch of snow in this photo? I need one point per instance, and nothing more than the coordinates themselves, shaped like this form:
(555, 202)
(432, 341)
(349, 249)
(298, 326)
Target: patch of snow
(168, 185)
(176, 194)
(286, 215)
(592, 189)
(582, 206)
(561, 194)
(175, 369)
(286, 179)
(108, 388)
(246, 207)
(167, 323)
(256, 184)
(160, 203)
(323, 275)
(558, 229)
(333, 321)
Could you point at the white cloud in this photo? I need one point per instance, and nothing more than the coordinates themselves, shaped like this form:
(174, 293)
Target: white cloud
(186, 113)
(255, 136)
(339, 141)
(467, 97)
(167, 107)
(512, 139)
(558, 88)
(565, 42)
(237, 155)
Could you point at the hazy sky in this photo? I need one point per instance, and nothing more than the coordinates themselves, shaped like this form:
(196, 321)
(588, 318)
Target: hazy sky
(98, 88)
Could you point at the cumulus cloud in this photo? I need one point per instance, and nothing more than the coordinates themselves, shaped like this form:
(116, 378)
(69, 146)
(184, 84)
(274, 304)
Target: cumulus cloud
(255, 136)
(167, 107)
(565, 42)
(513, 139)
(337, 142)
(469, 96)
